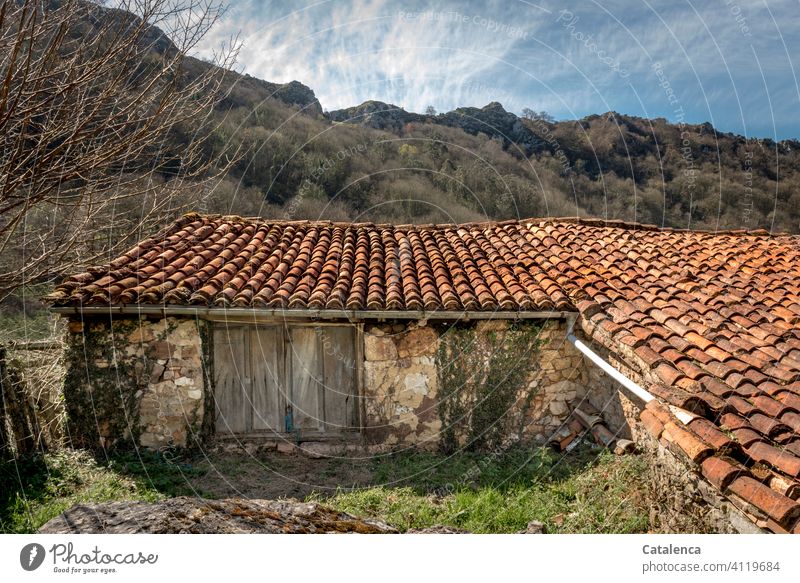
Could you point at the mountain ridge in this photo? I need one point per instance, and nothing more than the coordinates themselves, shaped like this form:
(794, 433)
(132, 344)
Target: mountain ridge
(378, 162)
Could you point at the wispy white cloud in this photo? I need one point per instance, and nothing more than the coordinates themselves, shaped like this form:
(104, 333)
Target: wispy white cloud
(528, 54)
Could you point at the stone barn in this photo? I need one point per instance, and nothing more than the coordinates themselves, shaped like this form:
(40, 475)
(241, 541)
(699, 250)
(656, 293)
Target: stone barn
(327, 337)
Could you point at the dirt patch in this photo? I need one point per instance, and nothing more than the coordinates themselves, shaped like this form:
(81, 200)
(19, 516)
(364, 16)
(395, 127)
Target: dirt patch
(274, 476)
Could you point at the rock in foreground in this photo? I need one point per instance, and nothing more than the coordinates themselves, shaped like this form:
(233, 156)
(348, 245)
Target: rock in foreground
(196, 515)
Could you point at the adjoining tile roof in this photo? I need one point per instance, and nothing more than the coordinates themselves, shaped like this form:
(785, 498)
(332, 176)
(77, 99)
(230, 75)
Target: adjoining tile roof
(710, 321)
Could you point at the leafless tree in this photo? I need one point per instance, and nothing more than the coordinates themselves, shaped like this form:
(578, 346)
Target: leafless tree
(105, 126)
(529, 113)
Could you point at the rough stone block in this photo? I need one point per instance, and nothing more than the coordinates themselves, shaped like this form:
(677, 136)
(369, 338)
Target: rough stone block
(155, 374)
(190, 352)
(378, 348)
(286, 447)
(375, 331)
(419, 342)
(142, 334)
(484, 326)
(161, 350)
(558, 408)
(149, 440)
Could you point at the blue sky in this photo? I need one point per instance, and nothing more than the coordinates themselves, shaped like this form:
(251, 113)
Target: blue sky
(729, 62)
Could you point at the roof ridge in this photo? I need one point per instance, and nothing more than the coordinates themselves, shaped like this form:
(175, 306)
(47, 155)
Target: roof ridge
(537, 221)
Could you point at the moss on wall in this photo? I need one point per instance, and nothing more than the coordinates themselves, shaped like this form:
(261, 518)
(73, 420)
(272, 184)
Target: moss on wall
(482, 374)
(455, 380)
(103, 385)
(132, 381)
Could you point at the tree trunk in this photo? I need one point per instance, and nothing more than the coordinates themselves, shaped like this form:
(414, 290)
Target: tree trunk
(18, 408)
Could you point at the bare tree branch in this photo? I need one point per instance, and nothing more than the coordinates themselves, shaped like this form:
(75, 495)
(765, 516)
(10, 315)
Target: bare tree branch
(103, 129)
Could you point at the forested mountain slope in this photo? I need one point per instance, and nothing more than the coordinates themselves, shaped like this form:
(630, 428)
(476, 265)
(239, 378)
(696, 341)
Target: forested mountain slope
(378, 162)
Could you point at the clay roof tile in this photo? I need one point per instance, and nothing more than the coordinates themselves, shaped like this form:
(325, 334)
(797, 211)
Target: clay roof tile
(776, 506)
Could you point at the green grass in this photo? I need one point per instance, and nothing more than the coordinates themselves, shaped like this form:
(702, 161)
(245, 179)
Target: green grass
(170, 476)
(586, 492)
(37, 489)
(40, 488)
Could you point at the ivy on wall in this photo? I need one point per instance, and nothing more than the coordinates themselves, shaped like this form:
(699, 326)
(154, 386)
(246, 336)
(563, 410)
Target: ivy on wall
(480, 378)
(103, 387)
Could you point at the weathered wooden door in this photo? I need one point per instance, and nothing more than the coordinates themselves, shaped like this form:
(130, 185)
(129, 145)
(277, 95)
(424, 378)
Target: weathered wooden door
(249, 391)
(322, 378)
(299, 379)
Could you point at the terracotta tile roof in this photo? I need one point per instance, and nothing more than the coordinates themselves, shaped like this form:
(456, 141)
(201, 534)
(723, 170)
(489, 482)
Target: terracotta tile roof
(230, 261)
(708, 320)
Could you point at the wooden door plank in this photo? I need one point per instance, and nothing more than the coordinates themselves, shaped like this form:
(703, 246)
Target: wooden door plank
(302, 354)
(231, 390)
(338, 349)
(267, 379)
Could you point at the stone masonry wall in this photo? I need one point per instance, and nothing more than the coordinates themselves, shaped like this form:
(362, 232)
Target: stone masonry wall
(144, 381)
(681, 500)
(400, 385)
(135, 380)
(403, 396)
(560, 382)
(172, 404)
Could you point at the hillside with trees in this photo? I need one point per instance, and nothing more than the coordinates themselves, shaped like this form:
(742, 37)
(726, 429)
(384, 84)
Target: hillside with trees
(110, 130)
(377, 162)
(114, 419)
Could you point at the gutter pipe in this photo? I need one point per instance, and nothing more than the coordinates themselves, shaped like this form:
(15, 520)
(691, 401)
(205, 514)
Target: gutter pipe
(632, 387)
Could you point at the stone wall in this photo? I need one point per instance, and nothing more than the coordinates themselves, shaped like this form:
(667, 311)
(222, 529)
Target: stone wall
(406, 366)
(401, 385)
(681, 500)
(560, 381)
(135, 380)
(145, 381)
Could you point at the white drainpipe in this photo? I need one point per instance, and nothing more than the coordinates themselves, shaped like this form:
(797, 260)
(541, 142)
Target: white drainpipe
(606, 367)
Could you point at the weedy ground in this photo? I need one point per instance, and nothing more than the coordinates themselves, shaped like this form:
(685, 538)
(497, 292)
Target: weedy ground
(587, 491)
